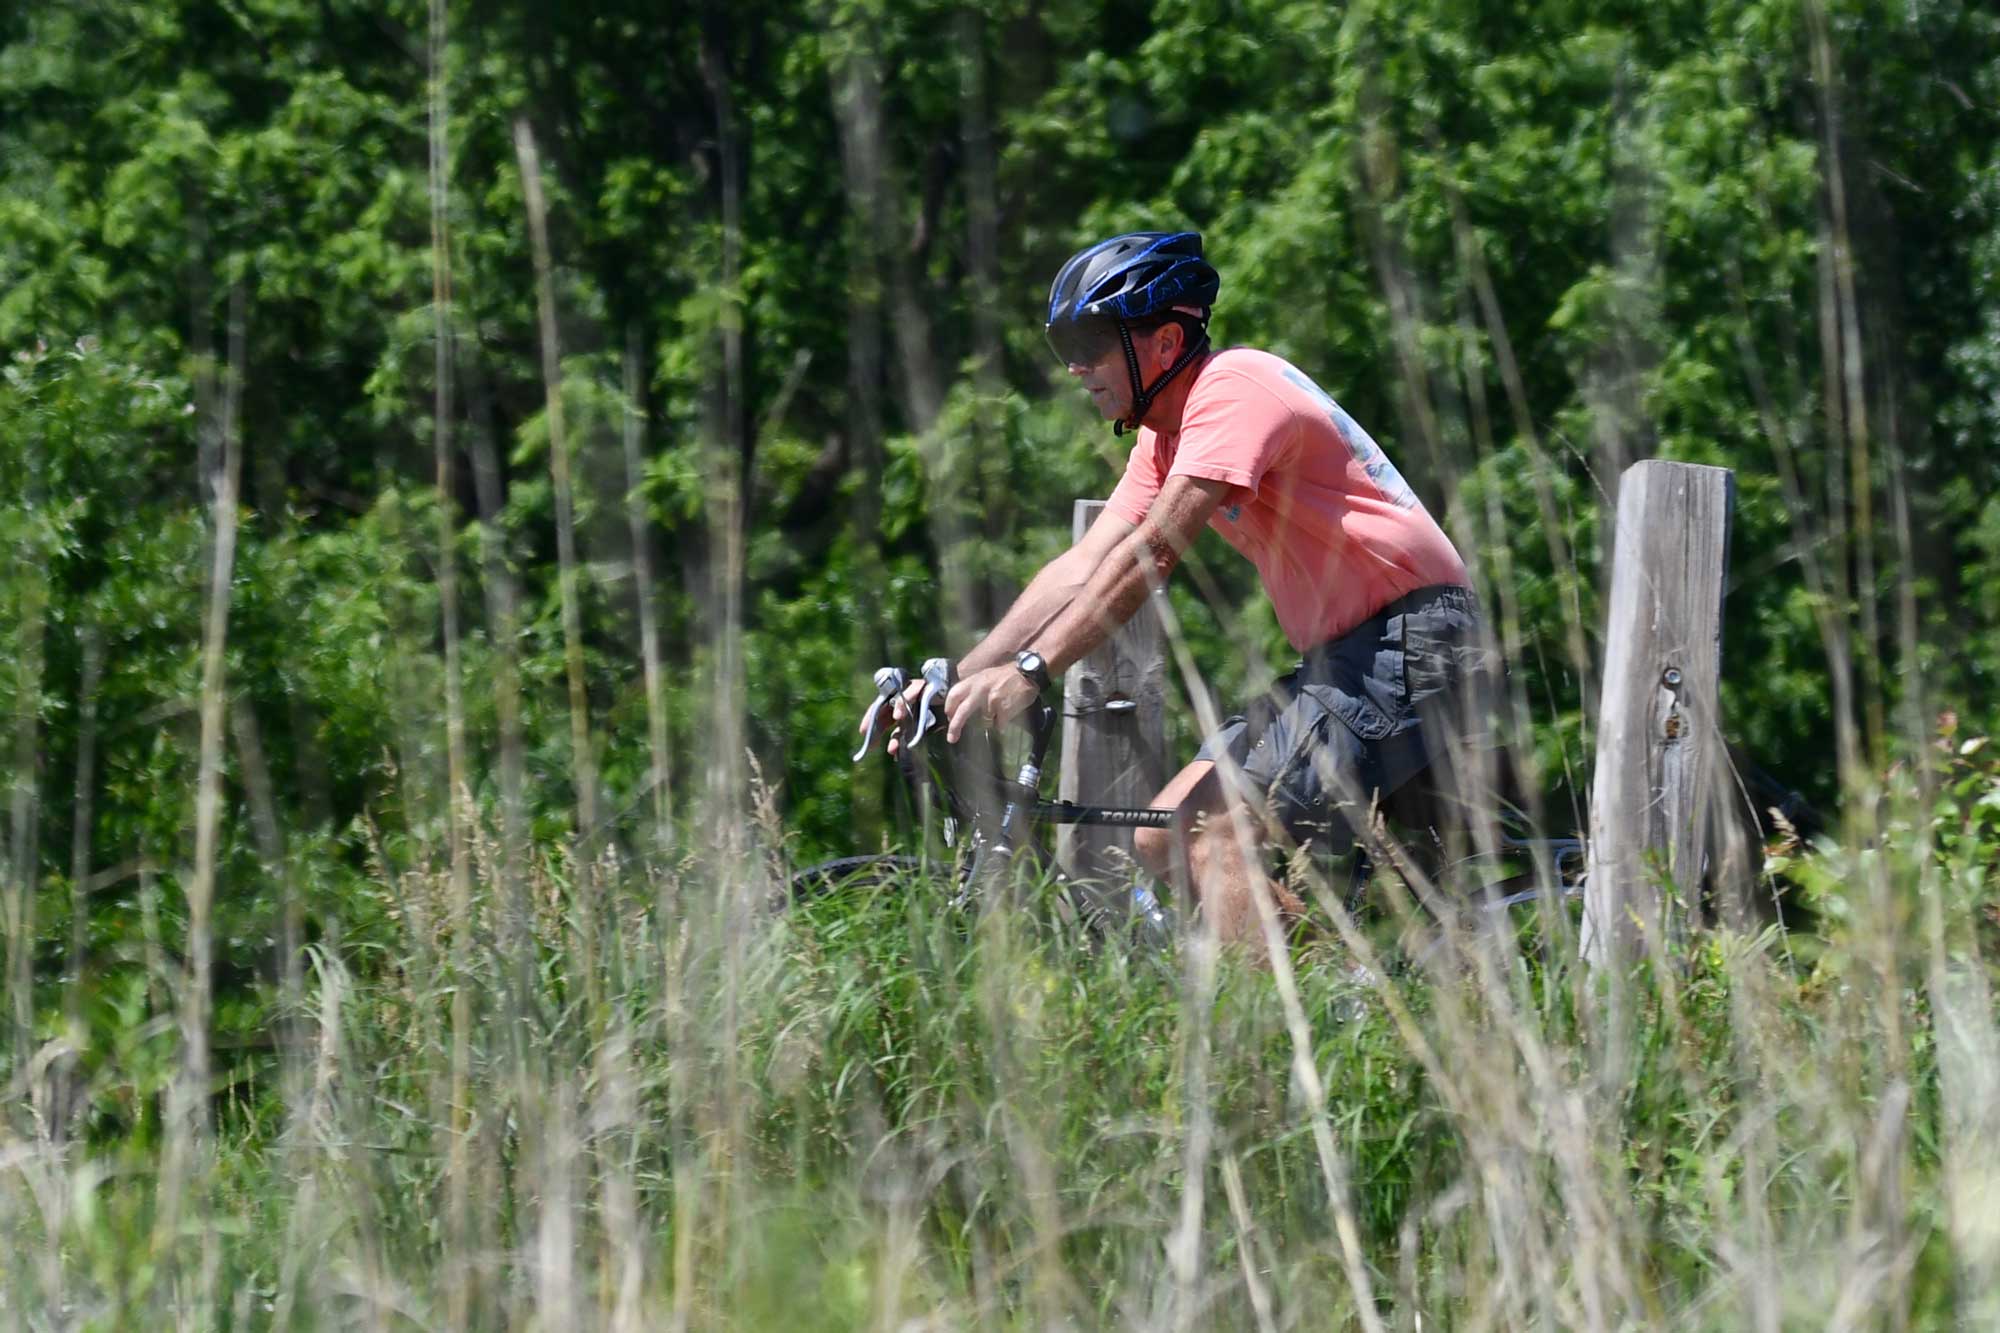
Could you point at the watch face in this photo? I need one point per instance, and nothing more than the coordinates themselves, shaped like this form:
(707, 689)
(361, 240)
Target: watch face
(1031, 661)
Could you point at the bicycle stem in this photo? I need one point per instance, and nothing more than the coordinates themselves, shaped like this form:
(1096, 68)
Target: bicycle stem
(1041, 723)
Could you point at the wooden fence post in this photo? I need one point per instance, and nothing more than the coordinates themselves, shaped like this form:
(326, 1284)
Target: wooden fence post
(1114, 720)
(1660, 770)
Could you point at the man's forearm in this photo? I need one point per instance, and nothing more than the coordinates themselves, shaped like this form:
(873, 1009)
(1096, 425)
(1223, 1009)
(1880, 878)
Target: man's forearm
(1123, 579)
(1082, 596)
(1053, 588)
(1110, 598)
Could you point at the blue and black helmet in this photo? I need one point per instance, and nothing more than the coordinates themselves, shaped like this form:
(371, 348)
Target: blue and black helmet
(1139, 276)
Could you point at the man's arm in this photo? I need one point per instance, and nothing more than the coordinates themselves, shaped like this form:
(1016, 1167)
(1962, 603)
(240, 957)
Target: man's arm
(994, 692)
(1119, 585)
(1052, 589)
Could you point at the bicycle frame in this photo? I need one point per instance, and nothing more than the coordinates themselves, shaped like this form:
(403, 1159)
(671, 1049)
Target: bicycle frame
(1019, 803)
(995, 826)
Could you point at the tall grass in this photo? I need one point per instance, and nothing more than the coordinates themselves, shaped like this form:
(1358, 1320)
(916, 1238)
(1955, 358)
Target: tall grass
(948, 1122)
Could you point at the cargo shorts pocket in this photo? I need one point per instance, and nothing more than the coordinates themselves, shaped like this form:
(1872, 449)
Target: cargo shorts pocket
(1330, 735)
(1363, 713)
(1329, 722)
(1365, 684)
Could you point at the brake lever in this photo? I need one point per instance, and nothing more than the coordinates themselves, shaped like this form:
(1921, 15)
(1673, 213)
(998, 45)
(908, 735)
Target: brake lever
(889, 682)
(938, 679)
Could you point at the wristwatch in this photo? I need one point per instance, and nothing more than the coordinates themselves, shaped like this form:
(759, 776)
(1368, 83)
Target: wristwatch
(1030, 664)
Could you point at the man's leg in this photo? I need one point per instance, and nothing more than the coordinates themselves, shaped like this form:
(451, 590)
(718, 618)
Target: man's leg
(1190, 794)
(1213, 859)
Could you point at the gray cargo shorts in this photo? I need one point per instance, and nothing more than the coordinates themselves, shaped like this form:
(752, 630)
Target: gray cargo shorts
(1359, 716)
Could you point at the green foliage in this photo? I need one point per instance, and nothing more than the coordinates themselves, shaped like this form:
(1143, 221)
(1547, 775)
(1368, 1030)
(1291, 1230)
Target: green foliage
(1644, 198)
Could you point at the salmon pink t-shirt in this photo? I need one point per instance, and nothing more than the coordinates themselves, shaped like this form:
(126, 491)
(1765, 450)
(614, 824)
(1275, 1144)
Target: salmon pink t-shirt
(1334, 530)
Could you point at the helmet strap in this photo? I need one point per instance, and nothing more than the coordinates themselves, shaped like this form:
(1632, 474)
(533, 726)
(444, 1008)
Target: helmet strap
(1141, 400)
(1142, 394)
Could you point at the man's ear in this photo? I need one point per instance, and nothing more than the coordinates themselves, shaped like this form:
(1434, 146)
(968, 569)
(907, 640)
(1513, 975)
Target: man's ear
(1172, 341)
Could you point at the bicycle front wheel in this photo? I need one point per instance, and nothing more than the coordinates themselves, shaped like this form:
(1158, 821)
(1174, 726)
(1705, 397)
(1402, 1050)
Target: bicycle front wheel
(850, 875)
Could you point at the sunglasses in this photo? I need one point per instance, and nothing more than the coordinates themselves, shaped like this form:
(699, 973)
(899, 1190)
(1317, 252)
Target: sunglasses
(1084, 342)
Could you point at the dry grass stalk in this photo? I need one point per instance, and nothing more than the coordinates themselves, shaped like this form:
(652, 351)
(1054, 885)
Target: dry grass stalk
(190, 1125)
(583, 765)
(659, 778)
(458, 1204)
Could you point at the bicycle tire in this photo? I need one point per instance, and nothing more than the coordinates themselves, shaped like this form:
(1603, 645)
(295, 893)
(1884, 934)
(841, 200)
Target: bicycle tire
(849, 874)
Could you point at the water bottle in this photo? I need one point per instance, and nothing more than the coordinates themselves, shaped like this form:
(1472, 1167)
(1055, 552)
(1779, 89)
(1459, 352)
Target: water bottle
(1149, 915)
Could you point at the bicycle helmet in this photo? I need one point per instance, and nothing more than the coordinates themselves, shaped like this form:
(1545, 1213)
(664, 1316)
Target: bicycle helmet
(1137, 276)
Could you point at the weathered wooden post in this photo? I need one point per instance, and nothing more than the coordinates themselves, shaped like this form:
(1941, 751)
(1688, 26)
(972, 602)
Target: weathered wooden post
(1114, 720)
(1660, 769)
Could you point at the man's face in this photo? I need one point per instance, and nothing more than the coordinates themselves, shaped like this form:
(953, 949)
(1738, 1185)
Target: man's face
(1109, 382)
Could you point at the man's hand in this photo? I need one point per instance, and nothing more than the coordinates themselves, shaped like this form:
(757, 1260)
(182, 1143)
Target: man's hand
(995, 696)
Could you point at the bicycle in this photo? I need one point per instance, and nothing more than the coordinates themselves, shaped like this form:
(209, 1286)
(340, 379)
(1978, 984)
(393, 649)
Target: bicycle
(984, 829)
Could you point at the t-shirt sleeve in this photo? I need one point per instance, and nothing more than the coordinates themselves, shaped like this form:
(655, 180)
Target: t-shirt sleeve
(1141, 482)
(1235, 431)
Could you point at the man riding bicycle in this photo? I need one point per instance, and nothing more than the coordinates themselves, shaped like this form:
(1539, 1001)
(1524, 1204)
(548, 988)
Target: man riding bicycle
(1365, 584)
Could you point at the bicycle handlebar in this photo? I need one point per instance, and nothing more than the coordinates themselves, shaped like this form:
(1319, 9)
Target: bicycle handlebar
(939, 674)
(889, 682)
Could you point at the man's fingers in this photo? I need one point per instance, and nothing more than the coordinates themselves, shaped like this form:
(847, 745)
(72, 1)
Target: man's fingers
(960, 713)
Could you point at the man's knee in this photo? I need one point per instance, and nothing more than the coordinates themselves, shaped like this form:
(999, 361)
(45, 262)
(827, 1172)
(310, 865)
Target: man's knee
(1193, 792)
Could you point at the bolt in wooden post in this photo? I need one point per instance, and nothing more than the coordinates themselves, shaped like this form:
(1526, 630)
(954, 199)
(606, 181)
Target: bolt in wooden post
(1660, 757)
(1114, 720)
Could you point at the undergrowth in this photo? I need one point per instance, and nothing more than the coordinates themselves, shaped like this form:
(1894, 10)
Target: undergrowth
(872, 1110)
